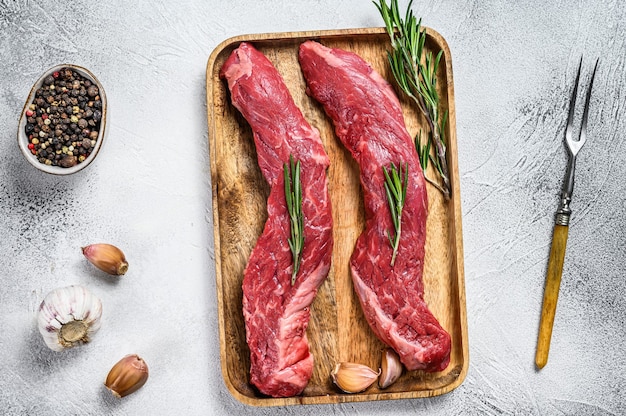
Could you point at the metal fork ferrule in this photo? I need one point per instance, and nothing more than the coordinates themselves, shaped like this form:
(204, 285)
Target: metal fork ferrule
(562, 219)
(564, 212)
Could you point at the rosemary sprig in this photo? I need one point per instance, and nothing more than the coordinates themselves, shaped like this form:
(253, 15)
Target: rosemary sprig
(293, 198)
(395, 187)
(418, 81)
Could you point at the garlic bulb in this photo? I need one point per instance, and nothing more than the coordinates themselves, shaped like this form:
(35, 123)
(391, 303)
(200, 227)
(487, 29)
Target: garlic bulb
(353, 377)
(68, 316)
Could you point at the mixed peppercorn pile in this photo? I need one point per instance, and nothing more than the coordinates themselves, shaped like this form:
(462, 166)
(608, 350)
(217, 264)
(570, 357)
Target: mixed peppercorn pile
(63, 121)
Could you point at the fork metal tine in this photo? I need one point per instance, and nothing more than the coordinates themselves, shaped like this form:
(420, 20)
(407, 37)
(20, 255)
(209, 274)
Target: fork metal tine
(572, 105)
(583, 129)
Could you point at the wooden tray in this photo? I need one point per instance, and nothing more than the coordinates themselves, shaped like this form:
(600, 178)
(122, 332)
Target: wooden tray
(337, 330)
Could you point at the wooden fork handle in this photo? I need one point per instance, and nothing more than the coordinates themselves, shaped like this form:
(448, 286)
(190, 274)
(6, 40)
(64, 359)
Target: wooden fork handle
(551, 293)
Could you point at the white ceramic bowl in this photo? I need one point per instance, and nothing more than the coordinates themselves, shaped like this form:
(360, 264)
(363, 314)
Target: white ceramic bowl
(22, 137)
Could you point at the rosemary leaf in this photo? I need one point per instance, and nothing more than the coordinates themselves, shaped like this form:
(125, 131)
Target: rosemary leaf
(293, 200)
(396, 182)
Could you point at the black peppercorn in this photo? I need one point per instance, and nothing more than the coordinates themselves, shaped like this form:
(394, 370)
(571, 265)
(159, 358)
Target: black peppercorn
(92, 91)
(86, 143)
(68, 161)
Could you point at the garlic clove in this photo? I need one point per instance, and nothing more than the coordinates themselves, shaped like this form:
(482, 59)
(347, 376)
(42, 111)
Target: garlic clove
(107, 258)
(390, 368)
(127, 376)
(353, 377)
(68, 316)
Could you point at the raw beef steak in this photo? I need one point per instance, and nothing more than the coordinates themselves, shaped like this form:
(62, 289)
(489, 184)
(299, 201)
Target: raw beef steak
(276, 312)
(368, 120)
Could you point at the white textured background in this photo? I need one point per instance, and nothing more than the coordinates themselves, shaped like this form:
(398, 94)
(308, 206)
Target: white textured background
(149, 193)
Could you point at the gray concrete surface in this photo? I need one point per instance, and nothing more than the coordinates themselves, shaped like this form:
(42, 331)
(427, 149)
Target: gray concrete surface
(149, 193)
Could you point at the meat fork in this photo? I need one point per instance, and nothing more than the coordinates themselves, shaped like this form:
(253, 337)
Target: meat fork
(561, 227)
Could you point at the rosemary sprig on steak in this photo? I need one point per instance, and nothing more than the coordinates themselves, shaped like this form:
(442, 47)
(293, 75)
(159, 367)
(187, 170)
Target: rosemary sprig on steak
(293, 198)
(395, 187)
(418, 81)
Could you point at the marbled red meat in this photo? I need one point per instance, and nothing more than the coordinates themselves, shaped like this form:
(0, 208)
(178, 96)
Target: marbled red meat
(368, 120)
(276, 313)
